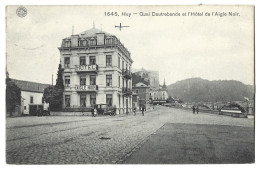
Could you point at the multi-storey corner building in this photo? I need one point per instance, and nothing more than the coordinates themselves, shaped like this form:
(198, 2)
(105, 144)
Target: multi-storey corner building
(97, 70)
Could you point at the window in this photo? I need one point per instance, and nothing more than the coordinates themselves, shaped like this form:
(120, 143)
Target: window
(123, 64)
(24, 107)
(31, 99)
(119, 97)
(42, 100)
(109, 60)
(85, 43)
(109, 41)
(118, 62)
(109, 80)
(82, 60)
(92, 60)
(67, 81)
(67, 62)
(109, 100)
(92, 99)
(82, 43)
(82, 80)
(82, 100)
(92, 79)
(118, 81)
(67, 100)
(137, 91)
(93, 42)
(67, 44)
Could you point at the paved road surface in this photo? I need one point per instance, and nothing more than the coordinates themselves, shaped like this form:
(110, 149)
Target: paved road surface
(98, 140)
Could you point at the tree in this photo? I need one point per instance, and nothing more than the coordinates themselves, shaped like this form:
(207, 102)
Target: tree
(59, 80)
(13, 95)
(54, 94)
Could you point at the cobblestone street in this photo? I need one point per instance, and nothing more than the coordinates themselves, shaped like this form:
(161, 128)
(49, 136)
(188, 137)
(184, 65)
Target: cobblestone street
(94, 140)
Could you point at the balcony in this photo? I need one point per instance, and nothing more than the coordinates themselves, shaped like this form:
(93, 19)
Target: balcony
(86, 88)
(126, 91)
(127, 74)
(86, 68)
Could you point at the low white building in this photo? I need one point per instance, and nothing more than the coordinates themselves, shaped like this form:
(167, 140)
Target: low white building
(31, 96)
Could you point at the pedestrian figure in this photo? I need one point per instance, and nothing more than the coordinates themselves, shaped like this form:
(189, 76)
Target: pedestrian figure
(95, 112)
(193, 109)
(197, 109)
(134, 110)
(142, 108)
(92, 111)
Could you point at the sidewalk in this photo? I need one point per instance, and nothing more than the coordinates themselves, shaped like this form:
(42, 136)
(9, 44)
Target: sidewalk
(196, 144)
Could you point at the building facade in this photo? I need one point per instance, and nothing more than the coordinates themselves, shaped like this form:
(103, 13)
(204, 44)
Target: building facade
(142, 90)
(96, 70)
(150, 76)
(159, 96)
(31, 97)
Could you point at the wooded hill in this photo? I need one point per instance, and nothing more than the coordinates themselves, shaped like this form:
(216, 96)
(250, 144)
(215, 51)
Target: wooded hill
(197, 89)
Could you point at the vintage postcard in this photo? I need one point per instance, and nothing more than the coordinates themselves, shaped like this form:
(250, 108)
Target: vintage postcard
(130, 84)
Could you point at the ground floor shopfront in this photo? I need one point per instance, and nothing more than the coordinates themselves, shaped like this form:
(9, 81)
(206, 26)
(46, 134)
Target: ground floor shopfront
(118, 100)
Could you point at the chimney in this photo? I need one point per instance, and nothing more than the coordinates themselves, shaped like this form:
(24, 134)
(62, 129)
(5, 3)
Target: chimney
(74, 40)
(100, 38)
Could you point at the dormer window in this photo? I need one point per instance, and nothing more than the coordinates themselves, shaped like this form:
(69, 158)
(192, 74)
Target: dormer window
(67, 44)
(109, 41)
(82, 43)
(93, 42)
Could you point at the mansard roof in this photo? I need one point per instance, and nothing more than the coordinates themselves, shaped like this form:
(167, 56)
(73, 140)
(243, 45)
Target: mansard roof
(91, 33)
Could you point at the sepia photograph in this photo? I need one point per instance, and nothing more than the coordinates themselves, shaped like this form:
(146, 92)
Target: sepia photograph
(93, 84)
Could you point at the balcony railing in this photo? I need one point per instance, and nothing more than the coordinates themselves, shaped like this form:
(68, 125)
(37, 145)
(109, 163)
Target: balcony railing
(126, 90)
(86, 88)
(127, 74)
(86, 68)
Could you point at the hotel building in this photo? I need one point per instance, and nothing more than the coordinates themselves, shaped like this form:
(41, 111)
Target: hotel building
(96, 70)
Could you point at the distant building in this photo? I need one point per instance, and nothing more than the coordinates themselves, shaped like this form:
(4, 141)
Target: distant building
(31, 96)
(150, 76)
(142, 90)
(135, 100)
(159, 96)
(97, 70)
(156, 94)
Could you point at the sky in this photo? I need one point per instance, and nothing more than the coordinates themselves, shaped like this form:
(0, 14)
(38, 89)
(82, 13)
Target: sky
(179, 47)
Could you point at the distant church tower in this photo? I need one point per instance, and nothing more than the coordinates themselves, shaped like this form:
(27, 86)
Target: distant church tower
(164, 85)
